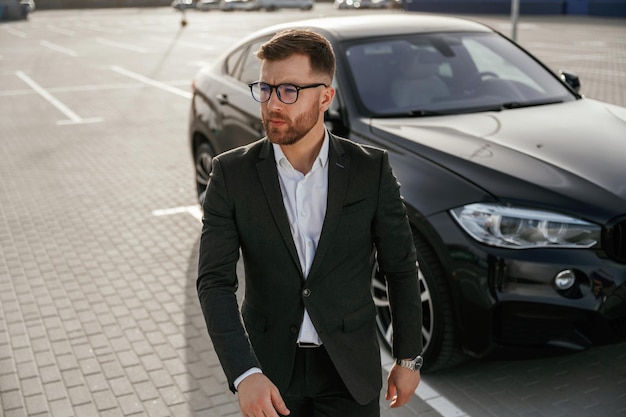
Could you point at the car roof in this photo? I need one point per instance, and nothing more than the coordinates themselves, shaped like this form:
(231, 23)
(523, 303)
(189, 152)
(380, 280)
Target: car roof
(364, 26)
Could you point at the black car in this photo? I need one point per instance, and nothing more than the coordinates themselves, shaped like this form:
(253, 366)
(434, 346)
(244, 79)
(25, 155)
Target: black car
(515, 184)
(16, 9)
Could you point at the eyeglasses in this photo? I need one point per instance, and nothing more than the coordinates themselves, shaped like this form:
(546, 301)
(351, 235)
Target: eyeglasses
(287, 93)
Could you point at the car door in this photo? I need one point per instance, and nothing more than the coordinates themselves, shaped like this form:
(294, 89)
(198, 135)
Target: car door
(241, 116)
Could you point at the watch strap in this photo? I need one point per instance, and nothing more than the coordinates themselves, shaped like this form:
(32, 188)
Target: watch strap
(412, 364)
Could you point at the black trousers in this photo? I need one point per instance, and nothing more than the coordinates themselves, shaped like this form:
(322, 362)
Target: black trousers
(317, 390)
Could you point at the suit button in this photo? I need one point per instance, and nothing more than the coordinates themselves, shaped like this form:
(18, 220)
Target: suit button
(294, 329)
(306, 292)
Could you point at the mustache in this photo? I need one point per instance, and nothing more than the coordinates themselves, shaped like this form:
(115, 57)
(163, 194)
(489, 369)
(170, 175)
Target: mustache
(275, 116)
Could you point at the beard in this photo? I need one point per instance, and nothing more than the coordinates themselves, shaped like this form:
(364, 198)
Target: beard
(294, 130)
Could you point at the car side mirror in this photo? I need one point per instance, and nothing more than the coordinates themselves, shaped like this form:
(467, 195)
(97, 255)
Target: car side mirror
(334, 121)
(332, 115)
(570, 79)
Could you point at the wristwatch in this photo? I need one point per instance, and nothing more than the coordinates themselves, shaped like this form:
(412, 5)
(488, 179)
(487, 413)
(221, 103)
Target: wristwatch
(412, 364)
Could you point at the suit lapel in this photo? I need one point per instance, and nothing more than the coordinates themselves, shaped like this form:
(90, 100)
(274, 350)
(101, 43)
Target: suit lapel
(338, 174)
(268, 174)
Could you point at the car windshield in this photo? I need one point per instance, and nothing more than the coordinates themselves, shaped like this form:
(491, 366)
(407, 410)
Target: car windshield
(449, 73)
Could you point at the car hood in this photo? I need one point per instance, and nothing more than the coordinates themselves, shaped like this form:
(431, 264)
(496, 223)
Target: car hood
(576, 150)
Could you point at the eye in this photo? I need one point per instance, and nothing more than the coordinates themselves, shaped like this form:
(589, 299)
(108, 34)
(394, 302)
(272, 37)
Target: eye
(289, 89)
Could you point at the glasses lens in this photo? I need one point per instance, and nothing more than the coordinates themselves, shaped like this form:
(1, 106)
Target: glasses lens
(287, 93)
(261, 92)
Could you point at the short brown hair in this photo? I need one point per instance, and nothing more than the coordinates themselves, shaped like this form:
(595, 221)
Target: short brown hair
(301, 41)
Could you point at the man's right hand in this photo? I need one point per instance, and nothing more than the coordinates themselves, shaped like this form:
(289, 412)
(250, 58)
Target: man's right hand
(259, 397)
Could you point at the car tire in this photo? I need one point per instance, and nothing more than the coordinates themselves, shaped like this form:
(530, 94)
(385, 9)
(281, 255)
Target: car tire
(441, 349)
(203, 159)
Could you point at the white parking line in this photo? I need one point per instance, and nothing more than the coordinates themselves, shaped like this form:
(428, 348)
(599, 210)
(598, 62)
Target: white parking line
(194, 211)
(439, 403)
(154, 83)
(16, 32)
(58, 48)
(84, 88)
(120, 45)
(73, 117)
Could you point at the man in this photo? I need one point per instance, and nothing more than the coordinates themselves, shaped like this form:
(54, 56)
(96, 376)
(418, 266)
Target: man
(308, 211)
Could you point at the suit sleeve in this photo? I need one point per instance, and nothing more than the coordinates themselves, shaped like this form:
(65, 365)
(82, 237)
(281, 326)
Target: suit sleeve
(397, 261)
(217, 279)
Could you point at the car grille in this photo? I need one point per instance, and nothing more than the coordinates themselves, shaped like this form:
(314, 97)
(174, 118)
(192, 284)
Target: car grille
(614, 241)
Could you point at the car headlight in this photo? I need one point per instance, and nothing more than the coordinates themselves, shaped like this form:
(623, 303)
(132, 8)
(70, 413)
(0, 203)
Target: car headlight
(522, 228)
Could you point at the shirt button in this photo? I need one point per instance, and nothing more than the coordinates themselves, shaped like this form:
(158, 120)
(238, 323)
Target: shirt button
(306, 292)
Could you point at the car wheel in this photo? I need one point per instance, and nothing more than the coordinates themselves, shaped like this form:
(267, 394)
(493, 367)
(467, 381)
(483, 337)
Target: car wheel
(204, 163)
(438, 331)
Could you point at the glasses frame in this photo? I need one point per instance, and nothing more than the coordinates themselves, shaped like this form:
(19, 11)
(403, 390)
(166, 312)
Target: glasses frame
(276, 87)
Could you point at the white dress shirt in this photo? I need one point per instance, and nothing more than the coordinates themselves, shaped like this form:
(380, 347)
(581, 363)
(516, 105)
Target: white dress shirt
(304, 197)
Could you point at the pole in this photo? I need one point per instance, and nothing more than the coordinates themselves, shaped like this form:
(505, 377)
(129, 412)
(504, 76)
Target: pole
(514, 18)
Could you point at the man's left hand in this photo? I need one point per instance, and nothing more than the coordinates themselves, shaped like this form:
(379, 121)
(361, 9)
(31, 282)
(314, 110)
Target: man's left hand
(401, 385)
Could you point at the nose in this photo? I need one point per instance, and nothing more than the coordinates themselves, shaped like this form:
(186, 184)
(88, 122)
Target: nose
(274, 101)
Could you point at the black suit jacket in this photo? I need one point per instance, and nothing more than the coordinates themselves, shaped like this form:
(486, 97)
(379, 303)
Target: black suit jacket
(365, 217)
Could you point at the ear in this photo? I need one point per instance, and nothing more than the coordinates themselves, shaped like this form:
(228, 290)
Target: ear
(326, 98)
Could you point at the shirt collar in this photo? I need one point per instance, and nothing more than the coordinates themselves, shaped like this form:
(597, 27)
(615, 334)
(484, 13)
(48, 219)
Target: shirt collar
(322, 157)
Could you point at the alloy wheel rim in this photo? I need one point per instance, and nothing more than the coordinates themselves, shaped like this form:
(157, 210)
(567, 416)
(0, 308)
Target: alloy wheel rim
(381, 301)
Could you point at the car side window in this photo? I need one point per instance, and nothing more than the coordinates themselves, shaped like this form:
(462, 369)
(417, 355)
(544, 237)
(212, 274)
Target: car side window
(233, 62)
(250, 64)
(243, 65)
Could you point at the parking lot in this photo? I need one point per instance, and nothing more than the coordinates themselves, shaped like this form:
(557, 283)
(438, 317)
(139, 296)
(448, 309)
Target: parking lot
(99, 227)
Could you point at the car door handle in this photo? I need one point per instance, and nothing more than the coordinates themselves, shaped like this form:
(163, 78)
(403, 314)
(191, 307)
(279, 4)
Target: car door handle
(222, 98)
